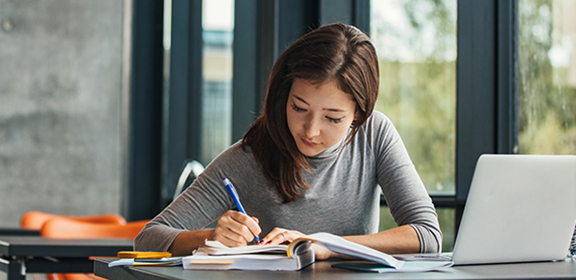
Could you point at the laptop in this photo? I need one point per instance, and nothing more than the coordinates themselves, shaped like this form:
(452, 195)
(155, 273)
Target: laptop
(520, 208)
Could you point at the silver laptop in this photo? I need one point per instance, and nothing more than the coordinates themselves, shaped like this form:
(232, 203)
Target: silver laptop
(520, 208)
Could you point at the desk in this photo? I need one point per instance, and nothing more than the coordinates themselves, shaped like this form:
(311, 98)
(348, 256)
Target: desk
(323, 270)
(34, 254)
(19, 231)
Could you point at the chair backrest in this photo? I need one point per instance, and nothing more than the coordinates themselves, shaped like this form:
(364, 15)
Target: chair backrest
(191, 167)
(69, 228)
(35, 219)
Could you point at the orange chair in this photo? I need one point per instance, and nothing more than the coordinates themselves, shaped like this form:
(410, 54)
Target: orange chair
(35, 219)
(70, 229)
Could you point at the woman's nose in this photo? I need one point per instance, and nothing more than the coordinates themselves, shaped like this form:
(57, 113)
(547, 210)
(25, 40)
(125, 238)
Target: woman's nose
(312, 127)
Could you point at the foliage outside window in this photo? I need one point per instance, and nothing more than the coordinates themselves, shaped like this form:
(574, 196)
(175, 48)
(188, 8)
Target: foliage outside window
(416, 44)
(547, 82)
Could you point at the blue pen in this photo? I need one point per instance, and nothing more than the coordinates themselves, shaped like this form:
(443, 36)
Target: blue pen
(236, 199)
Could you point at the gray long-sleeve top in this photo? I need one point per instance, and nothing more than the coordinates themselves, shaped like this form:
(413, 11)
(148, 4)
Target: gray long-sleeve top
(343, 198)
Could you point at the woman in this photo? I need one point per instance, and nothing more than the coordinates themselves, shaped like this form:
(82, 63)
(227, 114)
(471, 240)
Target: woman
(312, 162)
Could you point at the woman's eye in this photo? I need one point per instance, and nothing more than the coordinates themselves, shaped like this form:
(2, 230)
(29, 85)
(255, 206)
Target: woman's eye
(296, 108)
(334, 120)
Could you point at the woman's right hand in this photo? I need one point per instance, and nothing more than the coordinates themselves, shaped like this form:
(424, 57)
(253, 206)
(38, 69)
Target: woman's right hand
(236, 229)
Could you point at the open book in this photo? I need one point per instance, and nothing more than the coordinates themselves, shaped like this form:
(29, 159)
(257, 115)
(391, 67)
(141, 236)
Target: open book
(295, 256)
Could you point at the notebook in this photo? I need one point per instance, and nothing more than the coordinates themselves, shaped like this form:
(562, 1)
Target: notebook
(295, 256)
(520, 208)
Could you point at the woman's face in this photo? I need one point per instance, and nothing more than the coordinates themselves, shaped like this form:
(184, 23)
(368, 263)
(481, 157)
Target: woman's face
(319, 115)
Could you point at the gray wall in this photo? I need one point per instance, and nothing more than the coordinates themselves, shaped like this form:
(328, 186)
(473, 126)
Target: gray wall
(60, 107)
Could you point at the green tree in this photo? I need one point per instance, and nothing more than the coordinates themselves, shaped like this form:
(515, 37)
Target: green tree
(547, 123)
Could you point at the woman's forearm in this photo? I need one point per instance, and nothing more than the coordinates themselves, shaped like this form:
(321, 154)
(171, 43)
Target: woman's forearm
(399, 240)
(187, 241)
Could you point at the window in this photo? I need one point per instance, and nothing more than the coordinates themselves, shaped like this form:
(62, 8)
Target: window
(416, 45)
(547, 82)
(217, 32)
(197, 78)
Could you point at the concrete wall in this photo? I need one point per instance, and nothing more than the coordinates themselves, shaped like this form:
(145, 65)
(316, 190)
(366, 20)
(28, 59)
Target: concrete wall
(60, 107)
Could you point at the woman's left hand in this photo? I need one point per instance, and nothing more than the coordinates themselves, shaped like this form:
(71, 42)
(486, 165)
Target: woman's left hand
(280, 236)
(284, 236)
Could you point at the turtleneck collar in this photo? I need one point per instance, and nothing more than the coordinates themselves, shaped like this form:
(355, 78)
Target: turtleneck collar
(332, 151)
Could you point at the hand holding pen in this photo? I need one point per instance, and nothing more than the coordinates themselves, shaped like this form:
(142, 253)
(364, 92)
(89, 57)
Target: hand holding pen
(235, 229)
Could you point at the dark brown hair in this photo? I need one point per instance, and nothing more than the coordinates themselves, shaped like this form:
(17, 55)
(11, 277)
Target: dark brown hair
(337, 52)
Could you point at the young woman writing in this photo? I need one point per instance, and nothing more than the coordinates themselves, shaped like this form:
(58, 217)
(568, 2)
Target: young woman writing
(315, 160)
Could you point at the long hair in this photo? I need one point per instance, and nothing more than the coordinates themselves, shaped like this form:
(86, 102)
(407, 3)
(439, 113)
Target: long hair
(337, 52)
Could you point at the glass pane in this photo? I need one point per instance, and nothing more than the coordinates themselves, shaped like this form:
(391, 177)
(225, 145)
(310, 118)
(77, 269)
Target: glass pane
(445, 218)
(416, 45)
(547, 87)
(218, 28)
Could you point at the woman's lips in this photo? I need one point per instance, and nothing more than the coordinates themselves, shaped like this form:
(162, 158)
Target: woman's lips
(308, 143)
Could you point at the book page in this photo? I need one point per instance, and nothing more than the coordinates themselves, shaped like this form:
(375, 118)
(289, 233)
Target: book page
(340, 245)
(216, 248)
